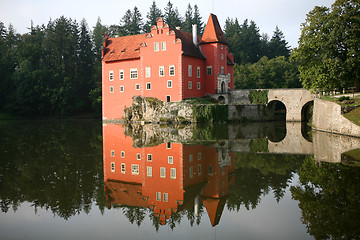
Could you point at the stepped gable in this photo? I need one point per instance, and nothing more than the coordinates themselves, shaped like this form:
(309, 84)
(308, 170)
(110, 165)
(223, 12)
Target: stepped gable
(213, 32)
(123, 48)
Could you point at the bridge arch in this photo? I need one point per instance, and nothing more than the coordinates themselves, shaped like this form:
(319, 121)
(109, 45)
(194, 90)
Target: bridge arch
(306, 111)
(277, 109)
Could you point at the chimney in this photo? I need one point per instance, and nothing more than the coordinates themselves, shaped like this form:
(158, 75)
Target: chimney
(194, 33)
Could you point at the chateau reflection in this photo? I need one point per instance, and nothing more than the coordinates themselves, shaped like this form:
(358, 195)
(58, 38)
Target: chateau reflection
(166, 179)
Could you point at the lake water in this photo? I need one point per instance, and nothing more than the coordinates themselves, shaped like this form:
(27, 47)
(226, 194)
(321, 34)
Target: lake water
(86, 180)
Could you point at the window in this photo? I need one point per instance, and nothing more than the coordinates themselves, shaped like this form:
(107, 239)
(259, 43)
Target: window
(121, 88)
(170, 159)
(149, 171)
(222, 56)
(199, 156)
(222, 70)
(158, 196)
(168, 98)
(173, 173)
(190, 157)
(134, 169)
(209, 70)
(161, 71)
(172, 70)
(121, 74)
(111, 75)
(123, 168)
(191, 172)
(210, 170)
(149, 157)
(190, 84)
(133, 73)
(222, 47)
(156, 47)
(168, 145)
(190, 70)
(165, 197)
(138, 156)
(148, 86)
(112, 153)
(113, 167)
(199, 169)
(148, 72)
(162, 172)
(163, 46)
(198, 72)
(198, 85)
(111, 89)
(137, 86)
(169, 83)
(122, 154)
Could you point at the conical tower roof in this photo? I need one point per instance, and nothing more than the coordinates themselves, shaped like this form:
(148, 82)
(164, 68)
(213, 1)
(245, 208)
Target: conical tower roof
(213, 32)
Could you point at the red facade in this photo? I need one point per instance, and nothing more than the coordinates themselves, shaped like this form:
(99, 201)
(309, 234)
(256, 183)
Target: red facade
(165, 178)
(167, 64)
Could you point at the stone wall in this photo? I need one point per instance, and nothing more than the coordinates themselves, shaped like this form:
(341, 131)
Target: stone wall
(248, 112)
(327, 117)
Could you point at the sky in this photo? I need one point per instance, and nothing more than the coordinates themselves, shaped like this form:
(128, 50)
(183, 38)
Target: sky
(267, 14)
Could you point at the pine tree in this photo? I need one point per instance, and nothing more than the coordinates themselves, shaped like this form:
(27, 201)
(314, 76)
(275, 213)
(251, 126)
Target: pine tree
(136, 22)
(152, 16)
(278, 45)
(172, 16)
(197, 20)
(98, 37)
(187, 26)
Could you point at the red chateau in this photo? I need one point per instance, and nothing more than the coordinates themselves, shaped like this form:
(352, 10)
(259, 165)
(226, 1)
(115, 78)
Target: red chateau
(166, 63)
(167, 178)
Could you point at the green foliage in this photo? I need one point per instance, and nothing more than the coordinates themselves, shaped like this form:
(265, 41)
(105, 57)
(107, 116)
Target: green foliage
(342, 98)
(152, 16)
(210, 112)
(259, 145)
(278, 72)
(258, 96)
(328, 51)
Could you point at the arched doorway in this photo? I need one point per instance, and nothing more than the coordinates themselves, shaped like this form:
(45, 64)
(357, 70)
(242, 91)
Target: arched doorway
(277, 110)
(223, 87)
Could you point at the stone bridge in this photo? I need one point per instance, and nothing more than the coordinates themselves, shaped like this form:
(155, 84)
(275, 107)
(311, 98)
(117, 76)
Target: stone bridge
(294, 102)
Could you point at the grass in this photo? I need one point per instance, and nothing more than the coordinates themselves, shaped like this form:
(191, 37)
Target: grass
(354, 116)
(351, 102)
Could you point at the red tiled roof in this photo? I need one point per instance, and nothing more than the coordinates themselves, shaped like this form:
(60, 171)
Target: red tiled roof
(213, 32)
(123, 48)
(122, 193)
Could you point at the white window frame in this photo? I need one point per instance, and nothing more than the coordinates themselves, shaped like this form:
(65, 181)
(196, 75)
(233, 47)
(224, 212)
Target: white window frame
(123, 168)
(189, 70)
(133, 73)
(172, 70)
(191, 157)
(210, 171)
(170, 159)
(121, 74)
(123, 154)
(209, 70)
(135, 169)
(112, 153)
(147, 72)
(169, 84)
(222, 70)
(190, 85)
(222, 47)
(161, 71)
(162, 172)
(137, 86)
(156, 47)
(112, 166)
(199, 169)
(198, 72)
(173, 173)
(191, 172)
(158, 196)
(111, 75)
(111, 89)
(222, 56)
(165, 197)
(138, 156)
(199, 156)
(149, 171)
(198, 85)
(122, 88)
(149, 157)
(148, 84)
(163, 46)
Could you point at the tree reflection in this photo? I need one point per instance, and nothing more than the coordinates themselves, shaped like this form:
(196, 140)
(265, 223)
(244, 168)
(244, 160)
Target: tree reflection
(329, 199)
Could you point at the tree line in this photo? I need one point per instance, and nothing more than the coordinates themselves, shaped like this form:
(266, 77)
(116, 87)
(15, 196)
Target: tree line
(55, 69)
